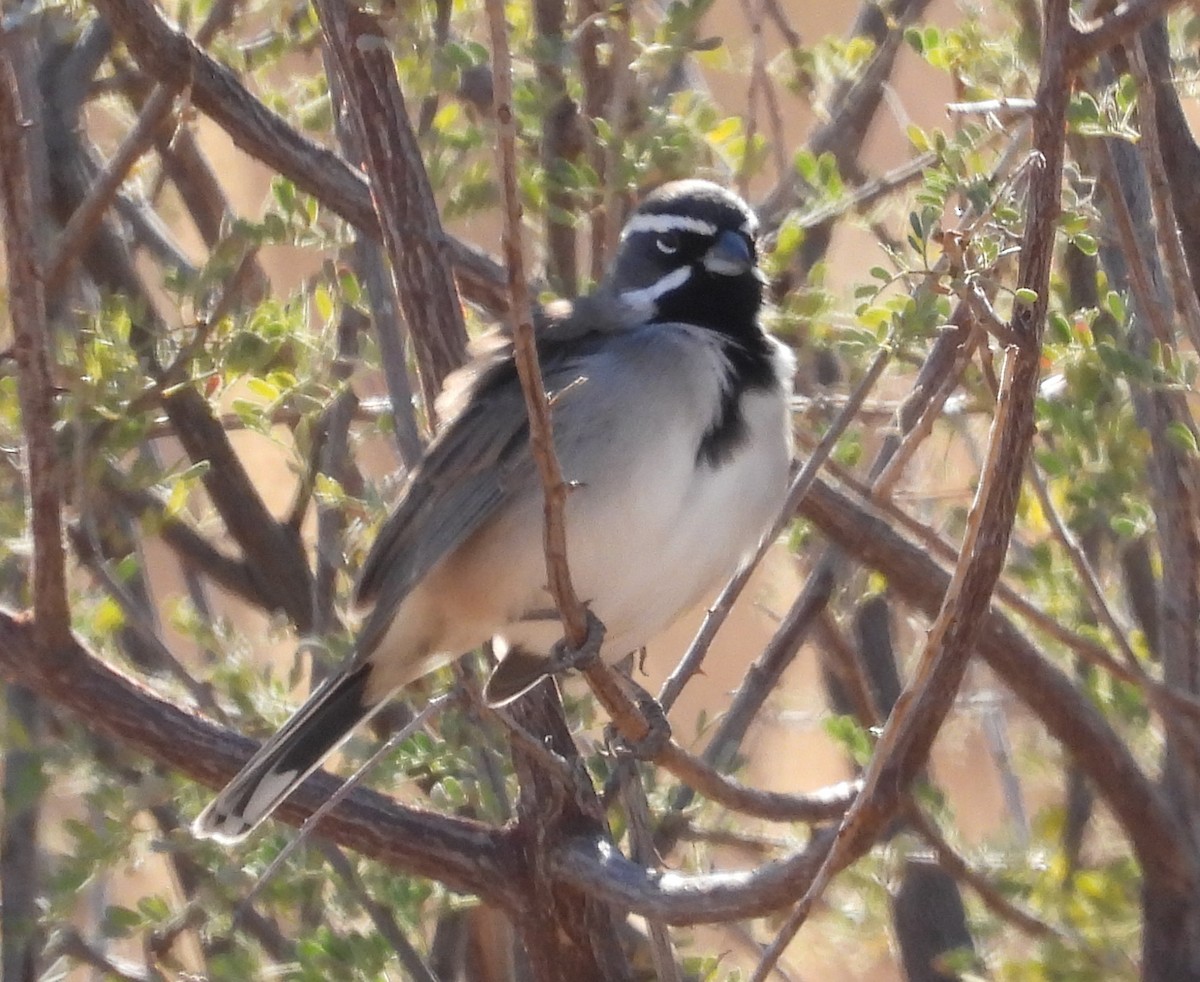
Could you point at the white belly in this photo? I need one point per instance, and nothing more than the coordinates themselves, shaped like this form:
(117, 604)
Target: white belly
(643, 551)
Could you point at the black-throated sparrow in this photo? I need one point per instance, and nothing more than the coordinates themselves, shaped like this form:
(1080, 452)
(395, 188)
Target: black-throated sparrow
(670, 417)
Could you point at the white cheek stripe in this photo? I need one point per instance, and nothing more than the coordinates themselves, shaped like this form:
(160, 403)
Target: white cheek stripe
(667, 223)
(643, 300)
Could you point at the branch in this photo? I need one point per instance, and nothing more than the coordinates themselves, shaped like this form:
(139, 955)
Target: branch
(1180, 154)
(31, 350)
(274, 549)
(189, 545)
(718, 612)
(560, 144)
(388, 326)
(676, 898)
(541, 434)
(400, 191)
(775, 806)
(1166, 224)
(1125, 21)
(867, 533)
(852, 106)
(78, 232)
(465, 855)
(171, 57)
(927, 698)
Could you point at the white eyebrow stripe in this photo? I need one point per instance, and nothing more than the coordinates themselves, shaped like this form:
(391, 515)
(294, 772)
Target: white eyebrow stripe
(648, 222)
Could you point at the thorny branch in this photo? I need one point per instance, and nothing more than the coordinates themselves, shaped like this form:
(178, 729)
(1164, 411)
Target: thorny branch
(31, 350)
(541, 434)
(904, 745)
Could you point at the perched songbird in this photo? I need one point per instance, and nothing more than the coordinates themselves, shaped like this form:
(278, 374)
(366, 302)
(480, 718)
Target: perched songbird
(670, 418)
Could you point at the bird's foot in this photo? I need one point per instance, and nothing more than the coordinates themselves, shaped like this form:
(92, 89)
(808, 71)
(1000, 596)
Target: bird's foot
(564, 658)
(658, 727)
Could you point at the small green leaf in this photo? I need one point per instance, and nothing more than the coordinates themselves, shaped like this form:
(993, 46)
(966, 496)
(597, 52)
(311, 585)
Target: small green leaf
(1085, 243)
(323, 302)
(1182, 436)
(1115, 304)
(262, 388)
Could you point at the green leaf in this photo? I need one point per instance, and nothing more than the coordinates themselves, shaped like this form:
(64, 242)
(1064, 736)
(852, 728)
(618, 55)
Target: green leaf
(1114, 302)
(262, 388)
(1181, 435)
(917, 137)
(109, 618)
(1085, 243)
(119, 921)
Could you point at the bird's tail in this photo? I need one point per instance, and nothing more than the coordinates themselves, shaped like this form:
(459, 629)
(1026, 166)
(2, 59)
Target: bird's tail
(318, 728)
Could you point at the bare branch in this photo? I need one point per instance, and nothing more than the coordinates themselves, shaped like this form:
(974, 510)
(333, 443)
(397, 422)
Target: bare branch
(641, 840)
(560, 144)
(400, 189)
(385, 923)
(866, 534)
(31, 350)
(852, 106)
(541, 434)
(168, 55)
(465, 855)
(1183, 291)
(716, 615)
(675, 898)
(918, 715)
(1113, 29)
(817, 806)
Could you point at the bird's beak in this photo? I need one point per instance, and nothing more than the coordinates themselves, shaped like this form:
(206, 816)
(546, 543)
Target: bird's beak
(730, 255)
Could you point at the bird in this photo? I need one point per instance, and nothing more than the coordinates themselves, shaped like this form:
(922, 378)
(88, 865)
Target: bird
(669, 406)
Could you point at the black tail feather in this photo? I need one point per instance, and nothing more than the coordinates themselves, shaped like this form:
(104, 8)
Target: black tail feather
(312, 734)
(518, 672)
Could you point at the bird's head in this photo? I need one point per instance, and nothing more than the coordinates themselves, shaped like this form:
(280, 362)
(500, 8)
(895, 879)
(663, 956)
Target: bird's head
(688, 254)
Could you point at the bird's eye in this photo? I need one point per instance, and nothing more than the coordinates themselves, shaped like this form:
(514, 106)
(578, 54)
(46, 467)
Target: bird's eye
(668, 243)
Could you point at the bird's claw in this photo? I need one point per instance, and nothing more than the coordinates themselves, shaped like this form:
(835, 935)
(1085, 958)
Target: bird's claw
(564, 657)
(658, 729)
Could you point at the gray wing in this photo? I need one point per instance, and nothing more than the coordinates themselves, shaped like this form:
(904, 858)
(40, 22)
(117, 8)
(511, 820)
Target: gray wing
(464, 477)
(478, 461)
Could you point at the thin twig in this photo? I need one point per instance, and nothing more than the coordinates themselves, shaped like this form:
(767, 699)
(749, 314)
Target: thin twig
(1125, 20)
(73, 944)
(541, 435)
(1163, 698)
(962, 871)
(381, 916)
(817, 806)
(621, 55)
(922, 707)
(87, 216)
(641, 840)
(716, 615)
(992, 107)
(139, 619)
(884, 484)
(420, 719)
(78, 232)
(862, 821)
(1083, 568)
(1187, 307)
(869, 192)
(1140, 279)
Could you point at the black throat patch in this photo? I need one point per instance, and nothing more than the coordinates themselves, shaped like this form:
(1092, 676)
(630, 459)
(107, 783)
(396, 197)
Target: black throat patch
(750, 368)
